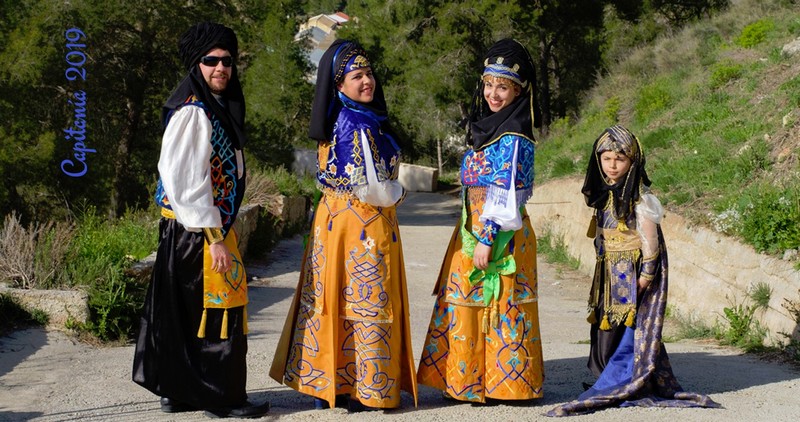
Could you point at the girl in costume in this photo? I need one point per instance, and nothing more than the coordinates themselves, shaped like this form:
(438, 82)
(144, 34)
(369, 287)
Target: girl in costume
(483, 339)
(347, 332)
(629, 291)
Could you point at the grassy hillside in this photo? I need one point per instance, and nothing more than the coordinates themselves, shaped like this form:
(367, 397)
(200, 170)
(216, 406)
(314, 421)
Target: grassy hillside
(717, 109)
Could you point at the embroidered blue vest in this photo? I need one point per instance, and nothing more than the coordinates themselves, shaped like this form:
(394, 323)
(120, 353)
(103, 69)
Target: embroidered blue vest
(341, 163)
(491, 166)
(227, 188)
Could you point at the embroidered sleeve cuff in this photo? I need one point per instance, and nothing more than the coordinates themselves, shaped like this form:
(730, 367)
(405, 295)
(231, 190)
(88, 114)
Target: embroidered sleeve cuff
(649, 267)
(488, 233)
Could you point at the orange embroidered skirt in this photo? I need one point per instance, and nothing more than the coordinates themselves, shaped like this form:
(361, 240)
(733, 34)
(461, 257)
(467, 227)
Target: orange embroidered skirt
(347, 331)
(471, 357)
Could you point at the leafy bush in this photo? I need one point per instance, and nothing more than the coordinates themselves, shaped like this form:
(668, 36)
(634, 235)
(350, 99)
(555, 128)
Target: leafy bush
(755, 33)
(792, 89)
(770, 218)
(611, 110)
(102, 250)
(722, 73)
(100, 244)
(743, 329)
(652, 98)
(553, 247)
(115, 303)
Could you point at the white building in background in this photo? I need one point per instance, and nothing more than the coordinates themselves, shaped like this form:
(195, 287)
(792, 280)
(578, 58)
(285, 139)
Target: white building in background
(320, 30)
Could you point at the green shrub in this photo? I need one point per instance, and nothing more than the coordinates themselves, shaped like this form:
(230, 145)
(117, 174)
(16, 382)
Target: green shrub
(553, 247)
(102, 250)
(115, 303)
(661, 137)
(770, 218)
(651, 99)
(794, 26)
(743, 329)
(611, 109)
(722, 73)
(792, 89)
(755, 33)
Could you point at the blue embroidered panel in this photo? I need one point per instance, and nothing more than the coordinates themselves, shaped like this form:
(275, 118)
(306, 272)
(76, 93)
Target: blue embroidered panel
(492, 165)
(345, 163)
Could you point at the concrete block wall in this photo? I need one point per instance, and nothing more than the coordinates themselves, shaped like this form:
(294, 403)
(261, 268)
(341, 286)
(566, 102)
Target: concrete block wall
(709, 271)
(418, 178)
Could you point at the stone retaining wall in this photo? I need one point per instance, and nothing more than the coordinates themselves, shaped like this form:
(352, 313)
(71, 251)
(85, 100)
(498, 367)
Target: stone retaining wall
(709, 271)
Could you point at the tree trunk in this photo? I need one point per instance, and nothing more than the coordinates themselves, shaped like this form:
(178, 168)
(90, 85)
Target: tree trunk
(545, 49)
(439, 154)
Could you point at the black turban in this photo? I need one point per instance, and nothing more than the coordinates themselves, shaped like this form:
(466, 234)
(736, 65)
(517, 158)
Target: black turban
(204, 37)
(195, 43)
(509, 59)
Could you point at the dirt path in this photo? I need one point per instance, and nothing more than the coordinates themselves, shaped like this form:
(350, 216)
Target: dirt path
(47, 376)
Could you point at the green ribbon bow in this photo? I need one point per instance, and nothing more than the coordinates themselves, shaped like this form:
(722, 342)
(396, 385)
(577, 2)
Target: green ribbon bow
(498, 265)
(491, 277)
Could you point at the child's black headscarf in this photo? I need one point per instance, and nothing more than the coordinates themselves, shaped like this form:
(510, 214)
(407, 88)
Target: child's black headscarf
(626, 191)
(326, 105)
(508, 59)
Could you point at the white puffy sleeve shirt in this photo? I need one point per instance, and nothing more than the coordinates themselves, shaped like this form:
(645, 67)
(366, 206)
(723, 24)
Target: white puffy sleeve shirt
(185, 168)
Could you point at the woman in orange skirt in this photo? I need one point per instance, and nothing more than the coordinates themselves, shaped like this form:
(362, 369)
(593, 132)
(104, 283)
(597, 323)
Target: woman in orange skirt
(483, 339)
(347, 332)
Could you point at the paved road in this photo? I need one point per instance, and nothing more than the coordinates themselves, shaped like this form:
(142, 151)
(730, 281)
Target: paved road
(48, 376)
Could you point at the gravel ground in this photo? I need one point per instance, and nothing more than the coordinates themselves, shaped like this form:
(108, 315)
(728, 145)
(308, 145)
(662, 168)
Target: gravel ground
(49, 376)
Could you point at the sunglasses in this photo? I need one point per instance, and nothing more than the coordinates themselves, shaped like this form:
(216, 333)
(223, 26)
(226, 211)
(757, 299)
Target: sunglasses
(212, 61)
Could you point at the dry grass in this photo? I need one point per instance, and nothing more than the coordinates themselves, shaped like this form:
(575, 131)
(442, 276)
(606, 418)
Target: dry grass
(33, 257)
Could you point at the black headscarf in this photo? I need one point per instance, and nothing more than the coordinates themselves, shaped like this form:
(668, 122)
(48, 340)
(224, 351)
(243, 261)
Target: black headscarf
(330, 72)
(626, 191)
(521, 116)
(194, 44)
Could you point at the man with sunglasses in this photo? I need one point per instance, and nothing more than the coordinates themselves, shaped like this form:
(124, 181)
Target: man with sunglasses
(192, 341)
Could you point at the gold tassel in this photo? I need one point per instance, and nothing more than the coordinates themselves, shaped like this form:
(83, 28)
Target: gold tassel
(621, 226)
(495, 314)
(631, 318)
(592, 317)
(223, 334)
(485, 321)
(591, 232)
(605, 325)
(201, 332)
(244, 316)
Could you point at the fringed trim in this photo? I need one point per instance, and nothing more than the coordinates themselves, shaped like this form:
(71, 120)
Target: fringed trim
(491, 317)
(485, 321)
(616, 314)
(630, 321)
(245, 328)
(612, 257)
(201, 332)
(495, 314)
(223, 332)
(591, 232)
(605, 325)
(592, 317)
(496, 195)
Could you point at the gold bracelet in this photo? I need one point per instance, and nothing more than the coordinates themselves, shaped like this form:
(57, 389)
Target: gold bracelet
(213, 235)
